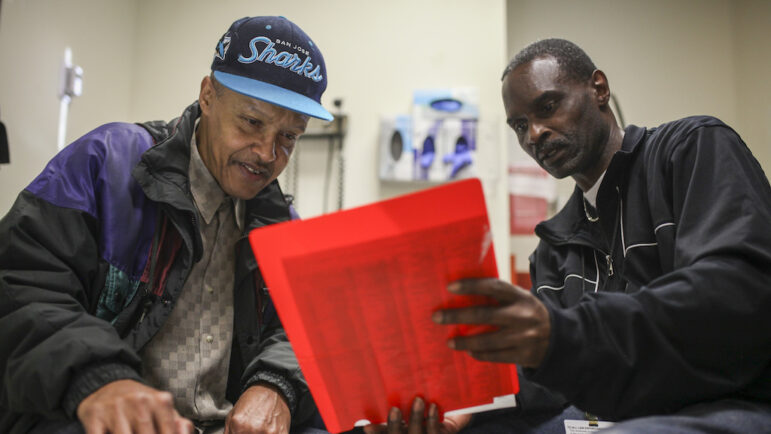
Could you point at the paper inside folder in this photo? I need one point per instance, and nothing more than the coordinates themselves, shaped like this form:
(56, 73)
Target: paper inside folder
(499, 402)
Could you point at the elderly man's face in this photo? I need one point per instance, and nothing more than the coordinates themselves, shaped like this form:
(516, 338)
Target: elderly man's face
(557, 121)
(244, 142)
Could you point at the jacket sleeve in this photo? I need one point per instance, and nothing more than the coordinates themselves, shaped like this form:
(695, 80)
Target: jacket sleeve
(270, 359)
(697, 333)
(277, 365)
(52, 352)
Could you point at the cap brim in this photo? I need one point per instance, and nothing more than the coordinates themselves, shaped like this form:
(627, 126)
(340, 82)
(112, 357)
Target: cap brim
(273, 94)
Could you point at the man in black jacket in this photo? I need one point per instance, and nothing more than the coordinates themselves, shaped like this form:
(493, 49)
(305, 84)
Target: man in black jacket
(129, 298)
(651, 287)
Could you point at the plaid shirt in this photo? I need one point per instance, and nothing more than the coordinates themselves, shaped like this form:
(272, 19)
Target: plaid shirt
(190, 354)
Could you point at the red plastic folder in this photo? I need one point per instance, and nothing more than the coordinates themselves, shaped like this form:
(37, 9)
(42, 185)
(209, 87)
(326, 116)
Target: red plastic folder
(355, 291)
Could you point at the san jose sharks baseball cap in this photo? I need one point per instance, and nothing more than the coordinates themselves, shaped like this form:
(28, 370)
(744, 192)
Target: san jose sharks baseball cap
(273, 60)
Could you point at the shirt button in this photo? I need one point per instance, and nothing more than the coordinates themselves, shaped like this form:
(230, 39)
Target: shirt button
(209, 338)
(209, 289)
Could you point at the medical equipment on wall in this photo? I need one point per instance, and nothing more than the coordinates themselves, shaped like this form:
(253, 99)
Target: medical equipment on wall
(397, 155)
(531, 190)
(320, 153)
(71, 85)
(438, 142)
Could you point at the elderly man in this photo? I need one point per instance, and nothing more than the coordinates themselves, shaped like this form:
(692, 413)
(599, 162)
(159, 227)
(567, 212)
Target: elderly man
(651, 287)
(129, 299)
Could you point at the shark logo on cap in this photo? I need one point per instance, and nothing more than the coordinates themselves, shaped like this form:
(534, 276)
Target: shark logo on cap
(283, 59)
(222, 48)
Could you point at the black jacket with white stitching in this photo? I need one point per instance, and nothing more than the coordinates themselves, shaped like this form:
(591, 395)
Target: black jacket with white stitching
(664, 301)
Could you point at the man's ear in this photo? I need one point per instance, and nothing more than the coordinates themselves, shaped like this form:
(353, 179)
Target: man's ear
(206, 94)
(601, 87)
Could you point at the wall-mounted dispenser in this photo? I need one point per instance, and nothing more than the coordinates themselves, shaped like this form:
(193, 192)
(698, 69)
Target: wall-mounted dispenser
(397, 154)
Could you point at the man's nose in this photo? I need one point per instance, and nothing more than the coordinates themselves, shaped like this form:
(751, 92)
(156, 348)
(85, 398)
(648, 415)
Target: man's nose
(265, 148)
(537, 133)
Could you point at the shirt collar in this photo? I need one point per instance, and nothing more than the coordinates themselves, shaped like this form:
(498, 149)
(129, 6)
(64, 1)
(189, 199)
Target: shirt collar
(591, 194)
(564, 225)
(240, 206)
(207, 194)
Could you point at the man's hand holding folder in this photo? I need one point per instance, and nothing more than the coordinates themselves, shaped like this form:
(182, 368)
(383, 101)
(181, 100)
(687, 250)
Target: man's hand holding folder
(419, 422)
(521, 322)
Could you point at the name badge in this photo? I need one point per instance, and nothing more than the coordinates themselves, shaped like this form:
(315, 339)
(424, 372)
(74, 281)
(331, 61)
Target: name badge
(573, 426)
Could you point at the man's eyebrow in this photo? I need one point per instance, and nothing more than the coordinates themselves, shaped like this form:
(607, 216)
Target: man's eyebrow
(547, 95)
(513, 120)
(300, 126)
(537, 102)
(297, 123)
(252, 109)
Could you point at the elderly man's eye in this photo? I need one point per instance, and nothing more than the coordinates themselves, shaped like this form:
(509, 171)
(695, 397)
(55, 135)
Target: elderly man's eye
(288, 140)
(250, 120)
(291, 137)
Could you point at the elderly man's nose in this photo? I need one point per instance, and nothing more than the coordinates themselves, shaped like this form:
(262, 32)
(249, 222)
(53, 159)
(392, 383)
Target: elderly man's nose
(265, 147)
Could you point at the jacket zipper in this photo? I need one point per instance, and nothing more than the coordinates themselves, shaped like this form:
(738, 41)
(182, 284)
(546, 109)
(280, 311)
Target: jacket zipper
(609, 262)
(618, 226)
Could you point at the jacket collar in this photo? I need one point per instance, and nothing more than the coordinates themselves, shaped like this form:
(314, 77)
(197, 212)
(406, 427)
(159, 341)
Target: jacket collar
(570, 223)
(163, 170)
(163, 173)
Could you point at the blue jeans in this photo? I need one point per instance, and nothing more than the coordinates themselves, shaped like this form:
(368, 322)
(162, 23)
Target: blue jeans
(723, 416)
(515, 421)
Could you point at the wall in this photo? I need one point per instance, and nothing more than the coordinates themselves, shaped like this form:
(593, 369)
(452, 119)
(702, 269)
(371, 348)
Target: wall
(752, 57)
(664, 60)
(376, 55)
(144, 59)
(33, 35)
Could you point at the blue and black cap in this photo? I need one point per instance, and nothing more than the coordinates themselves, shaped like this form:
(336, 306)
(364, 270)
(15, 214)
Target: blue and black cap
(273, 60)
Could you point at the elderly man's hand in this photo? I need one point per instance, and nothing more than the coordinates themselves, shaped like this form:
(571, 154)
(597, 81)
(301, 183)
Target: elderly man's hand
(418, 422)
(521, 321)
(127, 406)
(260, 409)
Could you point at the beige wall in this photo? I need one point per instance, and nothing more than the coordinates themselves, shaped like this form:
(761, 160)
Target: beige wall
(752, 57)
(376, 53)
(33, 35)
(664, 60)
(144, 59)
